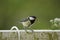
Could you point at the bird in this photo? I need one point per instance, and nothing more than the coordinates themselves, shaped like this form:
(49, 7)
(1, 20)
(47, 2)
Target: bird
(28, 21)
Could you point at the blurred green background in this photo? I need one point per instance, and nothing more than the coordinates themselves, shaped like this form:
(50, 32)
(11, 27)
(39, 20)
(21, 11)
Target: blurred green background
(12, 11)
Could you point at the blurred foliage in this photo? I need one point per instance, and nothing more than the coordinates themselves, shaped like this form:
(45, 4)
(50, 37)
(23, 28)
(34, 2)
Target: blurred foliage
(12, 11)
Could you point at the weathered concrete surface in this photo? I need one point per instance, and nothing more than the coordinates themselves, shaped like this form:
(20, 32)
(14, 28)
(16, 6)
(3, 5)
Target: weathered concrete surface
(30, 36)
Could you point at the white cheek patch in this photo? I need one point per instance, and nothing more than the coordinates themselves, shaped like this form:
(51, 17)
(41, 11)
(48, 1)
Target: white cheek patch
(31, 18)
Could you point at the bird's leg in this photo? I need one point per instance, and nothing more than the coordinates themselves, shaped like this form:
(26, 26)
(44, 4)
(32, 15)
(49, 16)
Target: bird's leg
(31, 29)
(25, 28)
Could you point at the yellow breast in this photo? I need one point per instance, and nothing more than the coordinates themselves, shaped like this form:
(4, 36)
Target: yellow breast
(26, 24)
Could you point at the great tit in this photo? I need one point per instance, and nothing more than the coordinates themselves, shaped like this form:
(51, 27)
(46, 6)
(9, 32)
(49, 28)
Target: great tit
(27, 22)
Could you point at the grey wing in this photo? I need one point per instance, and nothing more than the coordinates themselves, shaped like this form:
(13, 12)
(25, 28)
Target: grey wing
(23, 20)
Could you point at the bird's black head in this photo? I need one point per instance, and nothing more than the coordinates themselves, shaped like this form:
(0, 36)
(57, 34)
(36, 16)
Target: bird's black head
(32, 19)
